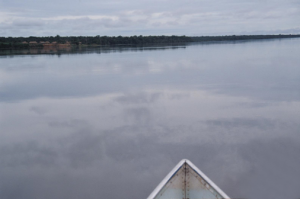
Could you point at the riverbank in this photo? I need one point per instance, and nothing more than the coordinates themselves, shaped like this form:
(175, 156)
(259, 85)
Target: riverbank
(69, 41)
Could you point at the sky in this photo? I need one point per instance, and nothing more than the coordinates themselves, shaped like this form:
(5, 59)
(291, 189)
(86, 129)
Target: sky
(148, 17)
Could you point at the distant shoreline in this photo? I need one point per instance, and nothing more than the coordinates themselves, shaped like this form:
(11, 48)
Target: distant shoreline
(73, 41)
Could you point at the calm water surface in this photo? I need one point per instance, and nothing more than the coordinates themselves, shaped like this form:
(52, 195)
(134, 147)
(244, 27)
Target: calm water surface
(112, 122)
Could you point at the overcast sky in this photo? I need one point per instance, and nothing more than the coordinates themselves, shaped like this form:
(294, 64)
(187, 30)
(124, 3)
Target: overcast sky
(148, 17)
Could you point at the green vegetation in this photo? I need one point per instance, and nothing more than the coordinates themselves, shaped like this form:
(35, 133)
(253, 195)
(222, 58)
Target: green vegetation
(37, 42)
(10, 45)
(240, 37)
(16, 42)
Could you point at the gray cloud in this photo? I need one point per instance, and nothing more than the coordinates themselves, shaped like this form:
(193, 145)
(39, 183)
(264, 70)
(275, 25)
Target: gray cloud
(38, 110)
(253, 104)
(138, 98)
(244, 123)
(75, 123)
(140, 115)
(28, 23)
(156, 17)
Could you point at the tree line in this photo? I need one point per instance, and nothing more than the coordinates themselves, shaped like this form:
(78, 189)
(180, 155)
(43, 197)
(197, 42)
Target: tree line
(241, 37)
(94, 40)
(32, 41)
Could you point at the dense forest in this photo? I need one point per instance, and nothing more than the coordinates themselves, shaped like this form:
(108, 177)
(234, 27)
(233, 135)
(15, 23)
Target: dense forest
(37, 42)
(25, 42)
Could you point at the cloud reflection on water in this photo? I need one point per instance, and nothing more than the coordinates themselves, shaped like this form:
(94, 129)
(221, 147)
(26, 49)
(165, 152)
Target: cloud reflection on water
(113, 125)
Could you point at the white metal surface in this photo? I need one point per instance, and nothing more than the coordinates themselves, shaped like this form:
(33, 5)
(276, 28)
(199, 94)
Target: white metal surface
(186, 181)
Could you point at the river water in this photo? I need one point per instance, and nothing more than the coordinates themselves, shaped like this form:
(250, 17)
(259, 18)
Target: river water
(112, 122)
